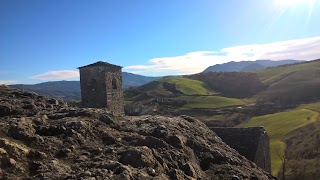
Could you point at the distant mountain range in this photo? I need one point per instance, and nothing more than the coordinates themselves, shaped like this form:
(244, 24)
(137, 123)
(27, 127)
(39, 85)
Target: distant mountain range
(70, 90)
(248, 65)
(134, 80)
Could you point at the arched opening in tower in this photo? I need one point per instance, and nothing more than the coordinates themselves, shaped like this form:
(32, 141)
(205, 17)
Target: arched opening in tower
(114, 83)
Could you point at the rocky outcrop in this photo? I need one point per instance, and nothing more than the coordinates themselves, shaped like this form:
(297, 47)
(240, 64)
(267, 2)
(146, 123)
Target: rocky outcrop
(15, 102)
(54, 141)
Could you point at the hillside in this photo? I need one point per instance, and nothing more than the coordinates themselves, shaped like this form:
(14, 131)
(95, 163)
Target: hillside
(177, 96)
(201, 95)
(209, 102)
(167, 87)
(178, 93)
(303, 149)
(291, 84)
(231, 84)
(247, 65)
(285, 85)
(189, 86)
(42, 138)
(278, 126)
(70, 90)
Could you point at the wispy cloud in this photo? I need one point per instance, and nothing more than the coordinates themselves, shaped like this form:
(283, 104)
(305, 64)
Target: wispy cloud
(8, 82)
(57, 75)
(194, 62)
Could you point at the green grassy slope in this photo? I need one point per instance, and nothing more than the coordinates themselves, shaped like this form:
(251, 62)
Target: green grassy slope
(303, 149)
(156, 88)
(312, 106)
(194, 92)
(209, 102)
(189, 86)
(198, 95)
(292, 83)
(281, 73)
(144, 92)
(278, 126)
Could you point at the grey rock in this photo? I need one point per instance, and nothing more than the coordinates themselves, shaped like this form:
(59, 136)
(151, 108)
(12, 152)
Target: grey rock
(53, 101)
(85, 174)
(138, 157)
(35, 154)
(189, 170)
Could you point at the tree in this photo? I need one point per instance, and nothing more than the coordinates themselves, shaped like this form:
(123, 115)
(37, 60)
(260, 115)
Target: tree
(317, 142)
(282, 155)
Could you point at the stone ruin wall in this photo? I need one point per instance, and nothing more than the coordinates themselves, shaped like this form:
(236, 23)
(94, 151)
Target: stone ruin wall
(252, 143)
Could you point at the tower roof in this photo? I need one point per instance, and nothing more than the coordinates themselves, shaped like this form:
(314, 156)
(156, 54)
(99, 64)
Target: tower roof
(100, 63)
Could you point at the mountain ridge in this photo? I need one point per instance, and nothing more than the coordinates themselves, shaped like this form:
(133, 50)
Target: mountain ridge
(248, 65)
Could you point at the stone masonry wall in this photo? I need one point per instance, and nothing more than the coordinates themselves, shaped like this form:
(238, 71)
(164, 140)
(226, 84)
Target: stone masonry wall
(262, 158)
(113, 78)
(253, 143)
(93, 91)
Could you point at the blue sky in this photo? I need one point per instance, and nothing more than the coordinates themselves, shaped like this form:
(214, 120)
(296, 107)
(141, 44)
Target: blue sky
(45, 40)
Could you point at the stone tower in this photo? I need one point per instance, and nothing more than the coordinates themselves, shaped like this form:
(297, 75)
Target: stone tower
(101, 87)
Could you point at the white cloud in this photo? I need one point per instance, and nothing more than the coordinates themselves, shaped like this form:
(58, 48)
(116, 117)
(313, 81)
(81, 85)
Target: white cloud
(194, 62)
(8, 82)
(185, 64)
(57, 75)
